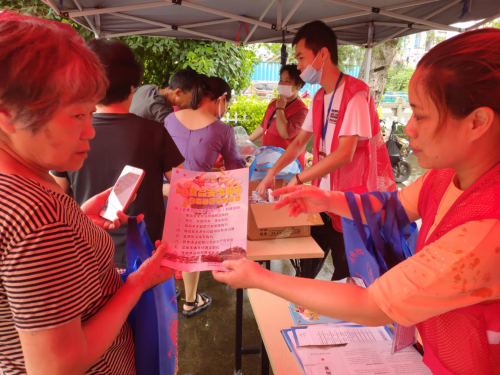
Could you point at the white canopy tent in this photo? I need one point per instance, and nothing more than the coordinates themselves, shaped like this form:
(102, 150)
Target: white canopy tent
(363, 23)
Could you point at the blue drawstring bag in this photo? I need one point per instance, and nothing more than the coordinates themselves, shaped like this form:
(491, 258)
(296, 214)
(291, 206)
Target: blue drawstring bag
(373, 249)
(265, 158)
(154, 318)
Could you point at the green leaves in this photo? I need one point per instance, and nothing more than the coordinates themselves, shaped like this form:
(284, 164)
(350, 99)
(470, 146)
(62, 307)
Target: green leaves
(399, 78)
(249, 110)
(348, 55)
(161, 56)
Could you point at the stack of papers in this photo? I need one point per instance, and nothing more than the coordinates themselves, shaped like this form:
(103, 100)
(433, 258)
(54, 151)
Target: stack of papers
(334, 335)
(350, 350)
(327, 346)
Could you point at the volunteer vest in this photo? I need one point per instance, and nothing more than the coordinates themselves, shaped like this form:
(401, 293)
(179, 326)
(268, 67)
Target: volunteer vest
(370, 168)
(456, 342)
(271, 136)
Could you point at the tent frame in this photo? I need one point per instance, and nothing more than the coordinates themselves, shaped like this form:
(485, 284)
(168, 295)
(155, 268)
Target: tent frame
(285, 30)
(280, 25)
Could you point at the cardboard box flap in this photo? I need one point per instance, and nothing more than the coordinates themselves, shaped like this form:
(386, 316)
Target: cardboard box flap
(267, 217)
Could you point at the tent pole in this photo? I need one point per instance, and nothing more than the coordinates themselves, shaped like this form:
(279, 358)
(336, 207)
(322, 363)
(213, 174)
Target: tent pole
(330, 19)
(440, 10)
(279, 11)
(368, 53)
(164, 27)
(209, 23)
(368, 59)
(51, 4)
(383, 12)
(235, 17)
(475, 26)
(263, 14)
(91, 24)
(291, 13)
(364, 13)
(126, 8)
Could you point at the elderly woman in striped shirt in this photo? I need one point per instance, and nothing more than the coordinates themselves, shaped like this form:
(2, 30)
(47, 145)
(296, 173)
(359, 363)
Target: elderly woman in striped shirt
(63, 306)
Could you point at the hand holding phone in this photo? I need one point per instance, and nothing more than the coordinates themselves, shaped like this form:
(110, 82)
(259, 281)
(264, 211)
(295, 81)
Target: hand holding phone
(123, 192)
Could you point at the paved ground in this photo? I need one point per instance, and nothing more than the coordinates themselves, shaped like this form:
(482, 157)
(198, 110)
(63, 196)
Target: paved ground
(206, 341)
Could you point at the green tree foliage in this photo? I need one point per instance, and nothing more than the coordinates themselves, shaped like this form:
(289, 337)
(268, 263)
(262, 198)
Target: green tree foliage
(167, 55)
(348, 55)
(399, 78)
(249, 110)
(494, 23)
(163, 56)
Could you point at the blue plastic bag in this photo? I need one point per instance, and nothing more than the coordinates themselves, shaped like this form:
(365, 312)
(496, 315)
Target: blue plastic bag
(374, 248)
(154, 317)
(265, 158)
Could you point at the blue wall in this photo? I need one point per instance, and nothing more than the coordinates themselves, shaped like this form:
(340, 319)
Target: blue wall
(270, 71)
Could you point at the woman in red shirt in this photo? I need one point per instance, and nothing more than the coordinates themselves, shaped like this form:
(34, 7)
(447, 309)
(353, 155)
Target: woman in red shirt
(284, 115)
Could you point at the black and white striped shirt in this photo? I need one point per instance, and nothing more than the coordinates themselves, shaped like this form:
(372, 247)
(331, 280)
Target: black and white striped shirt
(55, 266)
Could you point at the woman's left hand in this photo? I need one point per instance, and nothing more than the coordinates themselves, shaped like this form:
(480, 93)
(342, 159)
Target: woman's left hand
(93, 207)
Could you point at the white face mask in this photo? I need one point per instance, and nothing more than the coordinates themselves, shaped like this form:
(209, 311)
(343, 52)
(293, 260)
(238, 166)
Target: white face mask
(310, 74)
(285, 90)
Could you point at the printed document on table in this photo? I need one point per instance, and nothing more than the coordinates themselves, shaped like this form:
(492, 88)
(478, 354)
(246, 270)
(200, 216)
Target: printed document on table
(206, 219)
(366, 358)
(325, 335)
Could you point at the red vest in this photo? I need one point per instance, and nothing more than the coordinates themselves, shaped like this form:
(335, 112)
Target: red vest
(271, 137)
(370, 168)
(456, 342)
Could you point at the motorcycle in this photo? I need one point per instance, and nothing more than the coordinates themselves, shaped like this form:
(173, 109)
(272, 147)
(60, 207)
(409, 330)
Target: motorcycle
(398, 149)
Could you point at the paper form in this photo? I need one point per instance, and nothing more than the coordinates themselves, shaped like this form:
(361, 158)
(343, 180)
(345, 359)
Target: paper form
(321, 335)
(206, 219)
(368, 358)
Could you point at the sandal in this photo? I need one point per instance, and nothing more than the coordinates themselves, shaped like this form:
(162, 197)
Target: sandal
(197, 309)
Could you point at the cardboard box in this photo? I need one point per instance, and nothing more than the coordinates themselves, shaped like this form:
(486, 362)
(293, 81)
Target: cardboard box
(266, 223)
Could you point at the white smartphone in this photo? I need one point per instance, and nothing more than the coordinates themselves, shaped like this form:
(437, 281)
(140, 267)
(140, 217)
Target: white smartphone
(123, 192)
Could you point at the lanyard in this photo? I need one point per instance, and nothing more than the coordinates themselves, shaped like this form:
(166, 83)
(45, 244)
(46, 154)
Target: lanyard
(325, 127)
(274, 112)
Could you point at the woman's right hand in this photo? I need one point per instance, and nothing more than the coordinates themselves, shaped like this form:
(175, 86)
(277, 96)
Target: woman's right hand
(304, 199)
(151, 272)
(242, 273)
(266, 183)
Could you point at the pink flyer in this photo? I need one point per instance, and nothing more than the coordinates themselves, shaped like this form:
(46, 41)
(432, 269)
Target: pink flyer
(206, 219)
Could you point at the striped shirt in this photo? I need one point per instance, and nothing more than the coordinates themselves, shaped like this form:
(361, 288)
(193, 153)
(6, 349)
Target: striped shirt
(55, 266)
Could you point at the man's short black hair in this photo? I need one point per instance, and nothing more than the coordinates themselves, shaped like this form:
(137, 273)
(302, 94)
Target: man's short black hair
(184, 79)
(318, 35)
(122, 69)
(294, 73)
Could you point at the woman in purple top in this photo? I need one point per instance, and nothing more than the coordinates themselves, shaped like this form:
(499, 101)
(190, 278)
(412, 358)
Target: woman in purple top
(200, 137)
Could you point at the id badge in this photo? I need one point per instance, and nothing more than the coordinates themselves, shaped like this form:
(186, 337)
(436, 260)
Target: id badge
(322, 153)
(403, 337)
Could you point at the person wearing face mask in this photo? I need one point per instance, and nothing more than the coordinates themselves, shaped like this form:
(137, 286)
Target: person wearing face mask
(201, 136)
(284, 115)
(349, 153)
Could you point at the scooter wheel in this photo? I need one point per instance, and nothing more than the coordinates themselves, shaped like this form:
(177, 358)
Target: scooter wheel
(402, 171)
